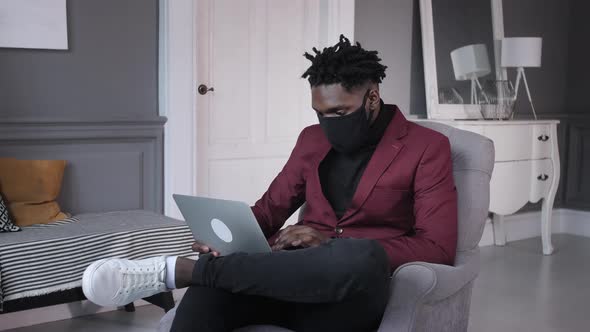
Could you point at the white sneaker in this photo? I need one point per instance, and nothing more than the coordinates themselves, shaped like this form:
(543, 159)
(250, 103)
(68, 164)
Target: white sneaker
(117, 282)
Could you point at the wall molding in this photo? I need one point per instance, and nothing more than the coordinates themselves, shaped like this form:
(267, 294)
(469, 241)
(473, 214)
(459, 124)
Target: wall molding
(100, 156)
(555, 115)
(51, 121)
(48, 129)
(528, 225)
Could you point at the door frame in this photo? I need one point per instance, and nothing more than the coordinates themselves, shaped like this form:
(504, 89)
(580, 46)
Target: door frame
(177, 82)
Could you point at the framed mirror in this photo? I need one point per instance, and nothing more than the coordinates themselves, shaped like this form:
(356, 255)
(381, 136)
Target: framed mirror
(461, 48)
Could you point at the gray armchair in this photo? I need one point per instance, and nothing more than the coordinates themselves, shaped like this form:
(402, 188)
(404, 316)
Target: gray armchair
(434, 297)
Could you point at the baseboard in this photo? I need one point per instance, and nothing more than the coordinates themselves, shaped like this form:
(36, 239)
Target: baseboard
(527, 225)
(575, 222)
(62, 311)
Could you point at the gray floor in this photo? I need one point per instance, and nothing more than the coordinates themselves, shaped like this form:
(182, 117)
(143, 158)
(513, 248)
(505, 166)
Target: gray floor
(518, 289)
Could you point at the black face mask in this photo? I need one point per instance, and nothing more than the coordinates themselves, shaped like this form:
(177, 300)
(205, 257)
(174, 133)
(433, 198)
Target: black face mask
(348, 133)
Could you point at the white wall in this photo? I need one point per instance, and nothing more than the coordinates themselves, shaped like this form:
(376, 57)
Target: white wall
(392, 28)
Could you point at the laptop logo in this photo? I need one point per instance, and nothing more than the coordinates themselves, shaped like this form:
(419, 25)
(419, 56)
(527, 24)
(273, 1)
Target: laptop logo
(221, 230)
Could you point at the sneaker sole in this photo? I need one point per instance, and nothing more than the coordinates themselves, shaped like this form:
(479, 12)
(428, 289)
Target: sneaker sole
(87, 278)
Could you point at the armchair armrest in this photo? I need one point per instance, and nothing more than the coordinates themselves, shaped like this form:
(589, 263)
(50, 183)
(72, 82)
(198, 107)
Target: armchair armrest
(410, 283)
(415, 283)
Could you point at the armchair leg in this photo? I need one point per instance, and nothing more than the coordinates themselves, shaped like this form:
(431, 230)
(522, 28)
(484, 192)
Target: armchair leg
(163, 300)
(499, 230)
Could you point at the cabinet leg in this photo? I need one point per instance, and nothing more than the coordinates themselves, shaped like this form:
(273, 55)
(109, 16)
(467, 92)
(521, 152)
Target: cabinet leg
(547, 212)
(499, 230)
(547, 209)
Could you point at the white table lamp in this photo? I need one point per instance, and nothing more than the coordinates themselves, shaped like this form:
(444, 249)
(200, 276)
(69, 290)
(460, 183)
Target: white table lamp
(521, 52)
(469, 63)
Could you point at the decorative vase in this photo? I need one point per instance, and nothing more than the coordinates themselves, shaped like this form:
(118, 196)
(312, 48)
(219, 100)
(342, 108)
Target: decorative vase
(496, 100)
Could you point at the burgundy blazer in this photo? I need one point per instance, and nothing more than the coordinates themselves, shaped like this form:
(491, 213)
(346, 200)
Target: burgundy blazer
(405, 199)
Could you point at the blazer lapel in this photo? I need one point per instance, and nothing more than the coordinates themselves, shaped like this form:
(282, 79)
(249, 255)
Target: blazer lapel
(318, 195)
(387, 150)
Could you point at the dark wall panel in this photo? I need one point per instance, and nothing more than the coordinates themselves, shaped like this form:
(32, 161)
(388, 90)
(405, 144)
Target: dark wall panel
(548, 84)
(577, 193)
(578, 55)
(578, 184)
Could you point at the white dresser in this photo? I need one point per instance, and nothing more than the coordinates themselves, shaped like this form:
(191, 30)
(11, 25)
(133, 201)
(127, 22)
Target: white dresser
(526, 170)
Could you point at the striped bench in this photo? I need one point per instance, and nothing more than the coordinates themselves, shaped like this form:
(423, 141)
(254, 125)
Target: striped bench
(43, 259)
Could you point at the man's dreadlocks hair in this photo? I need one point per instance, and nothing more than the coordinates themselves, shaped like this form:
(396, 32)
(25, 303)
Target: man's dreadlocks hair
(344, 63)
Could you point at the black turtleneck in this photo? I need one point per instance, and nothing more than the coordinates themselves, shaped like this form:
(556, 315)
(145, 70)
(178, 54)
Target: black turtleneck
(340, 173)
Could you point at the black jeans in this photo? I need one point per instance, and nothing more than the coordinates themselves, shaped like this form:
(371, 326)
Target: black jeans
(342, 285)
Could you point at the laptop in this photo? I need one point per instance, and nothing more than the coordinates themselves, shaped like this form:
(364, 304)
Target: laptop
(227, 226)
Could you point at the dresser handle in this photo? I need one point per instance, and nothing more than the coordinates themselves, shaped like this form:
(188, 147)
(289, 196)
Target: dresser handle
(543, 138)
(543, 177)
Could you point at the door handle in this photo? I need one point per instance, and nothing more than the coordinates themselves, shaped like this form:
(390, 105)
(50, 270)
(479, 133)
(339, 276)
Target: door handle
(543, 138)
(543, 177)
(203, 89)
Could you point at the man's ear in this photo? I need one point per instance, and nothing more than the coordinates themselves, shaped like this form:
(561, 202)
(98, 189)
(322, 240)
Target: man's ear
(374, 97)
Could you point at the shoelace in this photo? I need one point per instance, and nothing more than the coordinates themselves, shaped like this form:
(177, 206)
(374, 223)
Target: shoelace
(141, 277)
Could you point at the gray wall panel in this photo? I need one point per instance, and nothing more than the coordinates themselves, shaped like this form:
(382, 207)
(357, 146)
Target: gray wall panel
(95, 105)
(110, 166)
(108, 73)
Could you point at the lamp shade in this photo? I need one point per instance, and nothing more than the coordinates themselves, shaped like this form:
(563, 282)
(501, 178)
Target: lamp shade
(469, 61)
(521, 52)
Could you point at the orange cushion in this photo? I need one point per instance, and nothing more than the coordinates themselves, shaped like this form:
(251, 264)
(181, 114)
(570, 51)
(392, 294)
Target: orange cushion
(30, 188)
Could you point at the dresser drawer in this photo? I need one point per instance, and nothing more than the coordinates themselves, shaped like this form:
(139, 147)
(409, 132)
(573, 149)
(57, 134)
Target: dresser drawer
(512, 142)
(519, 142)
(542, 141)
(510, 186)
(514, 183)
(542, 177)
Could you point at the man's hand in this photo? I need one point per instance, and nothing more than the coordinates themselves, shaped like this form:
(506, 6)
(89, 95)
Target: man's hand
(297, 235)
(202, 248)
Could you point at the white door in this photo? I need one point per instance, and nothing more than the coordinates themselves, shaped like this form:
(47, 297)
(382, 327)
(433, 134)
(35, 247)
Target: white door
(250, 53)
(231, 142)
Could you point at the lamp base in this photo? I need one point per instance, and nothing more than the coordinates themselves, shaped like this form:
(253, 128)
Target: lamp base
(521, 75)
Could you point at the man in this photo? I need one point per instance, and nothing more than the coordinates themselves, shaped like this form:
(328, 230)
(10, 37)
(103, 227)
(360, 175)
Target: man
(379, 193)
